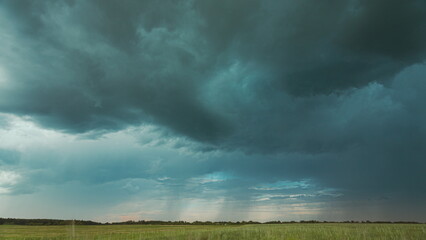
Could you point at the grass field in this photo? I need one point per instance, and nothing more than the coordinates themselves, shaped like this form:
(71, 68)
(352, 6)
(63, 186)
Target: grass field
(325, 231)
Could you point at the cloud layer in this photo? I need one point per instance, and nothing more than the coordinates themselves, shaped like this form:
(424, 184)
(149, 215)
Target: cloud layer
(250, 93)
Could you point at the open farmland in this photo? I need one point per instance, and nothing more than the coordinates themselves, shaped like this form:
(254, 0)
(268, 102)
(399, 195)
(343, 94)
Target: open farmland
(325, 231)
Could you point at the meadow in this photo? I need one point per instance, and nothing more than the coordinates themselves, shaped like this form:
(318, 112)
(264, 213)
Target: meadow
(318, 231)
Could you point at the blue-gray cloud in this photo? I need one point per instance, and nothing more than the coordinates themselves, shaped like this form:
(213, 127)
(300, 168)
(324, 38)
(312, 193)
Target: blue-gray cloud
(263, 91)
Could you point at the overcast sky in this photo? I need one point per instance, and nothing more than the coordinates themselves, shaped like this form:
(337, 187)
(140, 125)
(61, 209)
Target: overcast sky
(213, 109)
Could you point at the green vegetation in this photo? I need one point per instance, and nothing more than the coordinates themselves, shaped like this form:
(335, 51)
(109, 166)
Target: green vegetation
(319, 231)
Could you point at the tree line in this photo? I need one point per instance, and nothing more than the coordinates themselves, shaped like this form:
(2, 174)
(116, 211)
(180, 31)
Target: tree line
(42, 222)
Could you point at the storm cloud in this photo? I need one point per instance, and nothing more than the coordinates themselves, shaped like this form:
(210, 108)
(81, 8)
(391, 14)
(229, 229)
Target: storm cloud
(237, 95)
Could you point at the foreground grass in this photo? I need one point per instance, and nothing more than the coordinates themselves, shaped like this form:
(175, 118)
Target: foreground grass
(325, 231)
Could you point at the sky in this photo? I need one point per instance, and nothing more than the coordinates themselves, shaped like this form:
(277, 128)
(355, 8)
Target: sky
(213, 110)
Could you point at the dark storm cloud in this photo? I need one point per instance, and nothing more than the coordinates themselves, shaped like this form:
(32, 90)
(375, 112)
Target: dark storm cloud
(367, 140)
(143, 70)
(152, 60)
(328, 90)
(322, 47)
(393, 29)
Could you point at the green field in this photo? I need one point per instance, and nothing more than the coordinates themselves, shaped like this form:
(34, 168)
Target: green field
(326, 231)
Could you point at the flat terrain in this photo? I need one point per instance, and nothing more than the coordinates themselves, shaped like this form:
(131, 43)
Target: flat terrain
(318, 231)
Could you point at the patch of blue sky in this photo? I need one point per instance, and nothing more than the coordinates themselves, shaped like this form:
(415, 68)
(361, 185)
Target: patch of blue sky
(214, 177)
